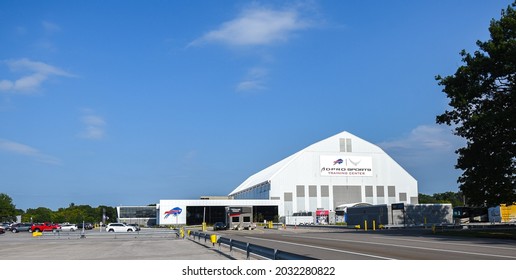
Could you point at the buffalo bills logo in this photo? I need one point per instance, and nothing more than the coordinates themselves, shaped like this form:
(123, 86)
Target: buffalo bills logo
(174, 212)
(339, 161)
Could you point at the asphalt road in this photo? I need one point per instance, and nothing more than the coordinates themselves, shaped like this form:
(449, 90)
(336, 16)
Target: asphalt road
(324, 244)
(398, 244)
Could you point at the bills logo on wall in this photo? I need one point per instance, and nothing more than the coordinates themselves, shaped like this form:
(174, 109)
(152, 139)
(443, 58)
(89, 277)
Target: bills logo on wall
(174, 212)
(351, 166)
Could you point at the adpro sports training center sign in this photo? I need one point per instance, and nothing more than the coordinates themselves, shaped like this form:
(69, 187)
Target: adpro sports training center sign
(346, 166)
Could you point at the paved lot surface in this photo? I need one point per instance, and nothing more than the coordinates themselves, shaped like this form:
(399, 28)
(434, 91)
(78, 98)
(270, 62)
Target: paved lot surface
(327, 244)
(396, 244)
(148, 244)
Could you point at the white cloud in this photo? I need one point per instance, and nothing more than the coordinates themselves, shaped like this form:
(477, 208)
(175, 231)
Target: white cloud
(22, 149)
(254, 80)
(428, 154)
(94, 126)
(426, 138)
(34, 73)
(6, 85)
(256, 26)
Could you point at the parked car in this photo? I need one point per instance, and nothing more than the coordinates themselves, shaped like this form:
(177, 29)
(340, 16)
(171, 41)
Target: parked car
(119, 227)
(86, 226)
(44, 227)
(5, 226)
(68, 227)
(219, 226)
(15, 228)
(2, 230)
(136, 226)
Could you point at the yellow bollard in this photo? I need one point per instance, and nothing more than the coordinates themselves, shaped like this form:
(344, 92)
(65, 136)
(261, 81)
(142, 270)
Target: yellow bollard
(365, 225)
(374, 225)
(37, 233)
(213, 239)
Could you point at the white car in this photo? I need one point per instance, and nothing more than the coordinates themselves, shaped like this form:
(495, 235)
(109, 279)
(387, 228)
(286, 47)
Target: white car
(119, 227)
(68, 227)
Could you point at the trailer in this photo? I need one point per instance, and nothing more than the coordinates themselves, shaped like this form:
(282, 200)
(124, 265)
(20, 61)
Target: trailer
(240, 217)
(502, 214)
(302, 218)
(466, 215)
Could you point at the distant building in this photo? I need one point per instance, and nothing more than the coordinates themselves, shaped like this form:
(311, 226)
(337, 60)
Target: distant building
(339, 170)
(324, 177)
(141, 215)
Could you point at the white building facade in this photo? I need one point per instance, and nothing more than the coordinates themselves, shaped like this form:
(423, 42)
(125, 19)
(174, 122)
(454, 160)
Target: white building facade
(175, 211)
(341, 169)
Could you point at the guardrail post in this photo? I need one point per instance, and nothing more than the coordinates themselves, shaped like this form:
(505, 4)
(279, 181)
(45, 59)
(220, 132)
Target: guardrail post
(247, 251)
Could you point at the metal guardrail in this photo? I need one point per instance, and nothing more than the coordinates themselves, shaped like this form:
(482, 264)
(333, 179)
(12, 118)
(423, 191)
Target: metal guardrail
(249, 248)
(166, 233)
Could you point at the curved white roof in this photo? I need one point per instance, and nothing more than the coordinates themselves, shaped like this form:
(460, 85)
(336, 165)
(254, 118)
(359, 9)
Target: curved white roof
(330, 145)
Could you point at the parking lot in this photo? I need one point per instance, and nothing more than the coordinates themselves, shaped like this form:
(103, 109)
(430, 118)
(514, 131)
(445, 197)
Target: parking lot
(147, 244)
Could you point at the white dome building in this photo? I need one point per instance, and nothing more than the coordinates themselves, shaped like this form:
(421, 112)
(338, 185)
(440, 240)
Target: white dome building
(342, 169)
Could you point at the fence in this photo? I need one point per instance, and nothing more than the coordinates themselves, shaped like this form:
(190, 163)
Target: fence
(143, 234)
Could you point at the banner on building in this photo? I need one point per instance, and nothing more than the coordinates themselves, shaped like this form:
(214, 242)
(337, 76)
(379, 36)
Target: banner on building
(352, 166)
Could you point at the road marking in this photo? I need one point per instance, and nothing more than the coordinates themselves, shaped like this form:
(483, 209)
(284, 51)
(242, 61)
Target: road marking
(405, 246)
(448, 243)
(322, 248)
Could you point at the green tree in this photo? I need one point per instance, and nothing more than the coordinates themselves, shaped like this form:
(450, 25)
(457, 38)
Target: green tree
(481, 95)
(111, 214)
(39, 215)
(7, 208)
(426, 199)
(455, 198)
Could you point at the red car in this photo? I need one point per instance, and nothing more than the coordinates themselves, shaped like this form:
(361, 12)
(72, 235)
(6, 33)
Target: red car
(44, 227)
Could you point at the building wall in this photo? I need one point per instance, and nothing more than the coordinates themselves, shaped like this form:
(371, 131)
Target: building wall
(412, 215)
(141, 215)
(174, 212)
(301, 185)
(310, 190)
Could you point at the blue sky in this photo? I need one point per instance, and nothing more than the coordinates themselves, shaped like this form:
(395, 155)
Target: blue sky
(128, 102)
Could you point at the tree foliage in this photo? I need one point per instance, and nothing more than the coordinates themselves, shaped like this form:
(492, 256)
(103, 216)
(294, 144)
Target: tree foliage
(38, 215)
(7, 208)
(72, 214)
(481, 95)
(455, 198)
